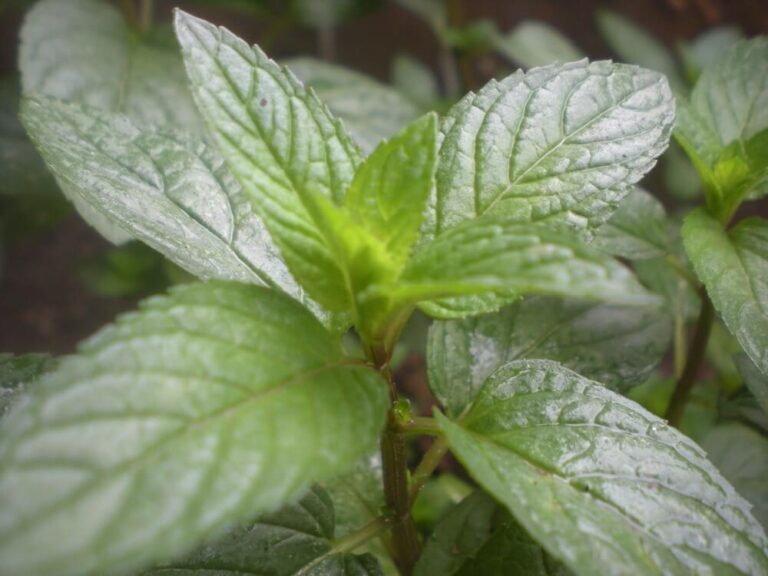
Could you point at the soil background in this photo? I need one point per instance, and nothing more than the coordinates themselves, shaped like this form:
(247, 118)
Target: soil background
(43, 304)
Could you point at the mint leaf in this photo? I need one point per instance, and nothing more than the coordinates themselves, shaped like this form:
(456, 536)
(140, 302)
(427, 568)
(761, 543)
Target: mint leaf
(706, 48)
(171, 192)
(619, 346)
(741, 455)
(83, 51)
(371, 111)
(734, 268)
(390, 189)
(479, 537)
(17, 373)
(281, 143)
(415, 80)
(600, 483)
(532, 43)
(205, 408)
(635, 45)
(295, 540)
(638, 230)
(559, 144)
(497, 255)
(730, 98)
(754, 380)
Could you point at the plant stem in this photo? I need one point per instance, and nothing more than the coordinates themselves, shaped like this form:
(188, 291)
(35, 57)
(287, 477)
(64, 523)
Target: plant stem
(420, 426)
(395, 473)
(367, 532)
(427, 466)
(686, 381)
(674, 263)
(146, 10)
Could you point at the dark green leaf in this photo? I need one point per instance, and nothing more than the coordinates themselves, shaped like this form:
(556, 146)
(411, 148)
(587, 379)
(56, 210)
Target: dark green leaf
(560, 144)
(205, 408)
(479, 537)
(741, 454)
(638, 230)
(734, 269)
(756, 382)
(295, 540)
(17, 373)
(603, 485)
(619, 346)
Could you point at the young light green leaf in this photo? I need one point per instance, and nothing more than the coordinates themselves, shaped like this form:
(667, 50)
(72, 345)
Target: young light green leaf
(704, 51)
(603, 485)
(500, 257)
(560, 144)
(390, 189)
(297, 540)
(635, 45)
(83, 51)
(281, 143)
(754, 380)
(741, 454)
(533, 43)
(734, 269)
(205, 408)
(479, 537)
(371, 111)
(170, 192)
(619, 346)
(638, 230)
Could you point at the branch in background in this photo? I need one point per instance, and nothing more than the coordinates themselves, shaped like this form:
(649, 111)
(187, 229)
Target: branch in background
(677, 404)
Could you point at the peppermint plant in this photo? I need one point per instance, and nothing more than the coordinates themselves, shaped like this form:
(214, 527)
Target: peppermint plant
(226, 427)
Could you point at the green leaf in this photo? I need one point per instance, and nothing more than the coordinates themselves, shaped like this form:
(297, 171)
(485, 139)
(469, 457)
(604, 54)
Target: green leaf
(358, 499)
(730, 97)
(560, 144)
(734, 270)
(756, 382)
(533, 43)
(205, 408)
(638, 230)
(601, 484)
(295, 540)
(281, 143)
(173, 193)
(619, 346)
(635, 45)
(371, 111)
(741, 454)
(704, 51)
(390, 189)
(17, 373)
(680, 176)
(83, 51)
(479, 537)
(498, 256)
(415, 80)
(438, 495)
